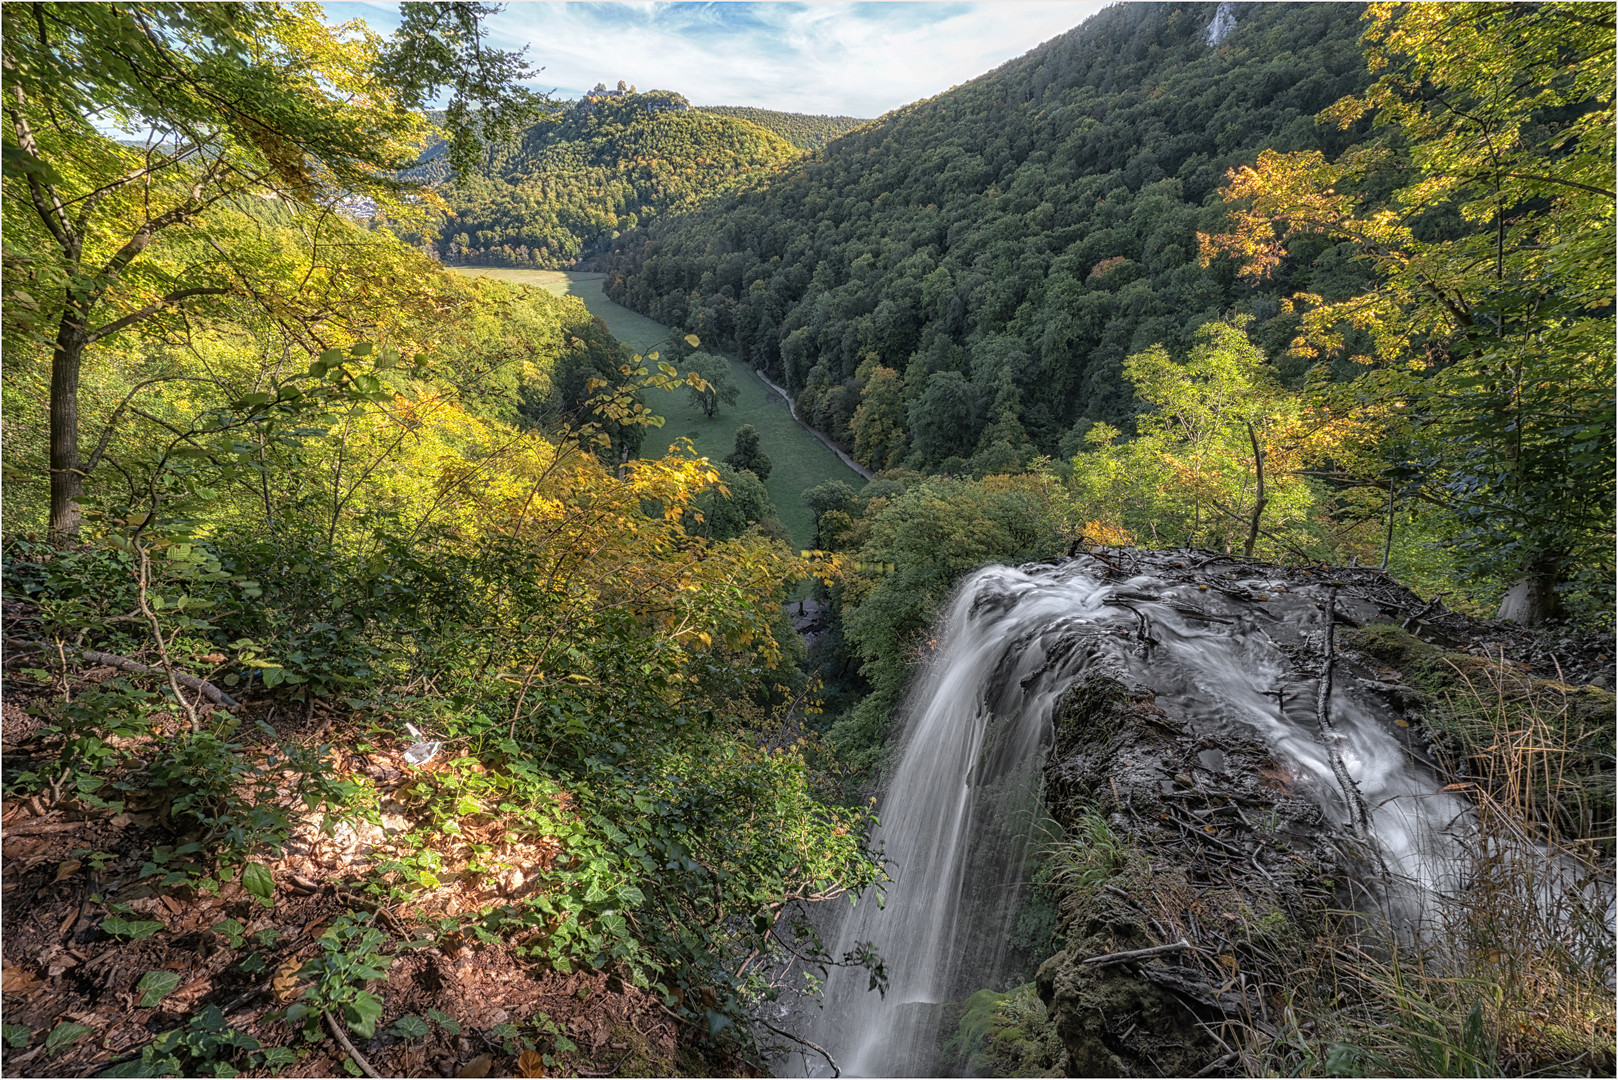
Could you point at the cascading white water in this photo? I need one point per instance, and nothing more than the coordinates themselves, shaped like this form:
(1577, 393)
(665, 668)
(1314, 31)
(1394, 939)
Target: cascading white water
(959, 811)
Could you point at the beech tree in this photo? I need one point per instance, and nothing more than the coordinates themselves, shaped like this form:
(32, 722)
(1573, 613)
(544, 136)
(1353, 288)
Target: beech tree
(1499, 340)
(715, 386)
(1223, 451)
(231, 101)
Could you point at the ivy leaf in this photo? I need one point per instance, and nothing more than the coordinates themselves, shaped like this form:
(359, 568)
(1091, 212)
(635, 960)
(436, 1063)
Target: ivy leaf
(155, 986)
(232, 931)
(409, 1027)
(257, 879)
(362, 1013)
(134, 931)
(16, 1035)
(445, 1021)
(65, 1034)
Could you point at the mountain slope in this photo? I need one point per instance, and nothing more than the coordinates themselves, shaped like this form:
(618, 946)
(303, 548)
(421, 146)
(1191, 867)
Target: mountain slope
(802, 130)
(611, 163)
(975, 267)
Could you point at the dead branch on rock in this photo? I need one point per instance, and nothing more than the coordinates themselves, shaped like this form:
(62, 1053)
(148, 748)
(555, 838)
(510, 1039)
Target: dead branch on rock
(1139, 954)
(1328, 734)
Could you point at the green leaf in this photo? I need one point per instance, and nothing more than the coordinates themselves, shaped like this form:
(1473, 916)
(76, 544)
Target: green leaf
(445, 1021)
(279, 1055)
(65, 1034)
(232, 931)
(409, 1027)
(362, 1013)
(257, 879)
(155, 986)
(16, 1035)
(133, 930)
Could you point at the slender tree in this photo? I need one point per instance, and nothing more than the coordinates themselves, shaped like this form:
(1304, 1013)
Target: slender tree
(1498, 341)
(231, 101)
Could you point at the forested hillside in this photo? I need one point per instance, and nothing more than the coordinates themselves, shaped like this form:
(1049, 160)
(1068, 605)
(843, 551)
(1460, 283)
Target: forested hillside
(367, 706)
(998, 250)
(564, 188)
(802, 130)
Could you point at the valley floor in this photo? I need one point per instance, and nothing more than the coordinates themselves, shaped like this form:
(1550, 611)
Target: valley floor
(799, 460)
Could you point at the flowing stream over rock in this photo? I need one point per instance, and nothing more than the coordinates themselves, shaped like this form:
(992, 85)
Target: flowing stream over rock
(960, 819)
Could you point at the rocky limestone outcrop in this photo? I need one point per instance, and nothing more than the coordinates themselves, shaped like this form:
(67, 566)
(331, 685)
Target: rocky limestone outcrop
(1205, 854)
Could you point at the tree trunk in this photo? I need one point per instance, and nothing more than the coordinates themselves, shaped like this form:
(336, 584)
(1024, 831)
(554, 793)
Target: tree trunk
(1261, 501)
(67, 481)
(1532, 599)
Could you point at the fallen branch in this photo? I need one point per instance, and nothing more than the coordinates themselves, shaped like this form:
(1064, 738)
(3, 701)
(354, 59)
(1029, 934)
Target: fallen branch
(835, 1071)
(359, 1058)
(1138, 954)
(1328, 734)
(1422, 614)
(201, 686)
(1215, 1065)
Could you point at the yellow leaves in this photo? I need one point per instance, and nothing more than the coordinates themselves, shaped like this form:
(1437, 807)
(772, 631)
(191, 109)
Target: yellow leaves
(1106, 535)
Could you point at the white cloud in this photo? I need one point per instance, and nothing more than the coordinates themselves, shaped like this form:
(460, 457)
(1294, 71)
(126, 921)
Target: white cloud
(858, 59)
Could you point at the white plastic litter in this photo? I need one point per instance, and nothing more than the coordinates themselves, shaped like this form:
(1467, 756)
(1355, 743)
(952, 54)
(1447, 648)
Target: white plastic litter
(422, 750)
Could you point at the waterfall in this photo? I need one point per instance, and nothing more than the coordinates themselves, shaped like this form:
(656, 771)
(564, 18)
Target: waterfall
(959, 820)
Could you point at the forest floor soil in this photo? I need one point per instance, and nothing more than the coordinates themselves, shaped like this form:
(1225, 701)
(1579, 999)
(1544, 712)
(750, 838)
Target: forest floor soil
(64, 864)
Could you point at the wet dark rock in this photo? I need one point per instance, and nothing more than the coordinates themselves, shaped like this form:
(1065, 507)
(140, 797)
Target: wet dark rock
(1232, 861)
(1188, 830)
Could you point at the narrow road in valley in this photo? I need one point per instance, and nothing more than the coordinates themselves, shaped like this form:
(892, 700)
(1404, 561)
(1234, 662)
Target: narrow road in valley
(792, 410)
(800, 456)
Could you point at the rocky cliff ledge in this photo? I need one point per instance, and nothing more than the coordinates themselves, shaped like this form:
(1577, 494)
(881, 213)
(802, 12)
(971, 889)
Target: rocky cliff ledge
(1208, 905)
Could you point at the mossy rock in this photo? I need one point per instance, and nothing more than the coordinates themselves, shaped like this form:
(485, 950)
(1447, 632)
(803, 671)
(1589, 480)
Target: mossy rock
(1393, 646)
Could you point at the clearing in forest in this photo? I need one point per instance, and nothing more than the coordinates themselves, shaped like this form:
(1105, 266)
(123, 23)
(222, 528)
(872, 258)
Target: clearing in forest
(798, 460)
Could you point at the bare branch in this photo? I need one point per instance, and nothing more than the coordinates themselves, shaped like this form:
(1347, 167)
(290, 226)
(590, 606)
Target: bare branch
(152, 309)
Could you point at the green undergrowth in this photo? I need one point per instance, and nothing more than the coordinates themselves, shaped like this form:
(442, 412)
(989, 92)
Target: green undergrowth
(1003, 1034)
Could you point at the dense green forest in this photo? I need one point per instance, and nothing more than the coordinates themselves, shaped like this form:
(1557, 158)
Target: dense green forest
(800, 129)
(564, 187)
(1022, 233)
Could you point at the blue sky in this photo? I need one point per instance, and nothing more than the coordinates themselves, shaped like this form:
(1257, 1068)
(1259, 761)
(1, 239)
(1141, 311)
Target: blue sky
(854, 59)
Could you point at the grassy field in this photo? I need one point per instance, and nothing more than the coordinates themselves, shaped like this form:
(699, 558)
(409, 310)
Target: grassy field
(798, 460)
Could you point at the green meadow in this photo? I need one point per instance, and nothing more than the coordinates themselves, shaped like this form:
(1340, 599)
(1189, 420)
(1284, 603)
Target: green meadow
(798, 460)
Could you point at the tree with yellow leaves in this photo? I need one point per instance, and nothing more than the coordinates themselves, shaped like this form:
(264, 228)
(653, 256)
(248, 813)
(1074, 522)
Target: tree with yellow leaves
(1497, 341)
(1223, 455)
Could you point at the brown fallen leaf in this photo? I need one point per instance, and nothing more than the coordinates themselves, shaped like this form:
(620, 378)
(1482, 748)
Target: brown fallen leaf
(478, 1066)
(17, 981)
(285, 983)
(66, 870)
(531, 1063)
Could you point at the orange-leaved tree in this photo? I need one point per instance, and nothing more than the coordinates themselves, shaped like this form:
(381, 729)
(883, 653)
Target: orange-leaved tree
(1490, 308)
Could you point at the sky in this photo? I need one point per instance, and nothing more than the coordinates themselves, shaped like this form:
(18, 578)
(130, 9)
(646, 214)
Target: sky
(849, 59)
